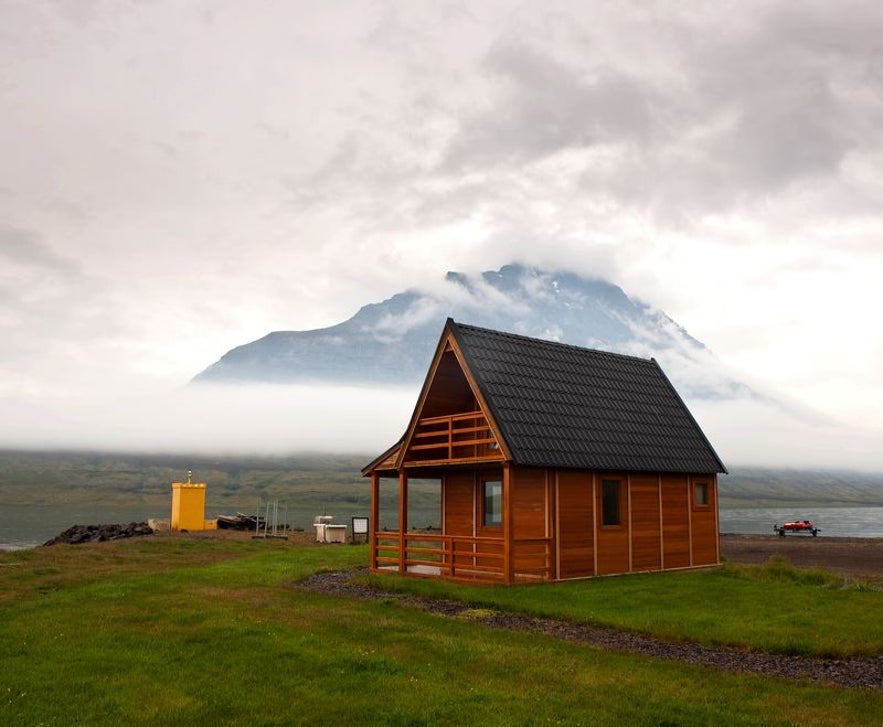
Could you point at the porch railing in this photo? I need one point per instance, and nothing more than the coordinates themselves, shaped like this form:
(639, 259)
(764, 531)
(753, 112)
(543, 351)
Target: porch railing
(463, 557)
(452, 438)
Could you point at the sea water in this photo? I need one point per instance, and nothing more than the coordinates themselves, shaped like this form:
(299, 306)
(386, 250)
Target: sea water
(840, 522)
(26, 526)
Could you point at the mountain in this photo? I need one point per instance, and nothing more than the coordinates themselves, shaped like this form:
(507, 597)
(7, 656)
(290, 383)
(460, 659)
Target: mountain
(392, 342)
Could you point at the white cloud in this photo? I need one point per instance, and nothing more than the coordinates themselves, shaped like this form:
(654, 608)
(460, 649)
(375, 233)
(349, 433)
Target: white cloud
(182, 177)
(230, 419)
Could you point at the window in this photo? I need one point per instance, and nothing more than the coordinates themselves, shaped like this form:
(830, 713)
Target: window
(700, 494)
(610, 502)
(493, 502)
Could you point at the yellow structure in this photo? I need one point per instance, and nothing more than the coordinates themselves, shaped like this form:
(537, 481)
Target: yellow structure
(188, 506)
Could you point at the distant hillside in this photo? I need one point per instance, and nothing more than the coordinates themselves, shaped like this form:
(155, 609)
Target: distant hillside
(391, 342)
(312, 482)
(766, 487)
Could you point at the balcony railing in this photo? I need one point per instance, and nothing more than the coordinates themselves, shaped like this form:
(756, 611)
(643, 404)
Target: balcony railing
(453, 438)
(462, 557)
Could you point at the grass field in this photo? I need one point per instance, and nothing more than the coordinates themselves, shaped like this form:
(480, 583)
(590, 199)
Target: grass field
(177, 630)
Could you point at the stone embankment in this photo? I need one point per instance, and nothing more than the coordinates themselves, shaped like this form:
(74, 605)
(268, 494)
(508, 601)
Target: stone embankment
(100, 533)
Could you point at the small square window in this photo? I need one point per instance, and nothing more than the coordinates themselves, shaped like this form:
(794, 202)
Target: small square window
(610, 502)
(700, 494)
(493, 502)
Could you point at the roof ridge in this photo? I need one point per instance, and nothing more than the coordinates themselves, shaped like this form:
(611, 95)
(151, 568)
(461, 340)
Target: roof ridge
(546, 342)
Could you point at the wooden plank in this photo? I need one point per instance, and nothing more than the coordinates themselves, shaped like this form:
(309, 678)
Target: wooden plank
(645, 520)
(375, 518)
(704, 524)
(507, 524)
(529, 502)
(612, 540)
(459, 503)
(575, 524)
(675, 521)
(403, 519)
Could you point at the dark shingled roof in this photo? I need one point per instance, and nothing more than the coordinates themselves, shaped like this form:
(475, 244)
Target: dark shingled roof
(564, 406)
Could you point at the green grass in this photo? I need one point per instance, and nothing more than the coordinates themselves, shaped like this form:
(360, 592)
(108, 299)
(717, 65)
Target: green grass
(202, 632)
(775, 608)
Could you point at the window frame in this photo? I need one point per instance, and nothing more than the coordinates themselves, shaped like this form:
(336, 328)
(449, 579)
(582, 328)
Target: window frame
(704, 502)
(497, 497)
(617, 500)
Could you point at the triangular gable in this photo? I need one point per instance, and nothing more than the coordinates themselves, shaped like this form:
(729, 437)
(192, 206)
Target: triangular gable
(385, 462)
(448, 397)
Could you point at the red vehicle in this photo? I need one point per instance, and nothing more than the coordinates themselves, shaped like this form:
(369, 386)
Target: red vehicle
(798, 527)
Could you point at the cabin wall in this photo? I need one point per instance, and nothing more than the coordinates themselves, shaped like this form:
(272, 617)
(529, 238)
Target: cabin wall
(646, 523)
(704, 522)
(613, 543)
(459, 503)
(675, 521)
(575, 516)
(530, 502)
(662, 522)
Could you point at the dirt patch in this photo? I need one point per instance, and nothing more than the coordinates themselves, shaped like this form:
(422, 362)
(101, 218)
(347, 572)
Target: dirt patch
(859, 557)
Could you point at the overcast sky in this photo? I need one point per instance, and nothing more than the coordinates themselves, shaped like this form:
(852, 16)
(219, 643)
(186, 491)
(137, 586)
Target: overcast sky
(178, 177)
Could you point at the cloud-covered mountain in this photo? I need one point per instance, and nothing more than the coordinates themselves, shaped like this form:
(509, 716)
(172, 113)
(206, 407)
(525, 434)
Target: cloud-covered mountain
(391, 343)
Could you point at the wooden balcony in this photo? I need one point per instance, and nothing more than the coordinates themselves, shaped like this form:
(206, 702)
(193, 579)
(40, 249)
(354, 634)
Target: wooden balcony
(463, 437)
(461, 557)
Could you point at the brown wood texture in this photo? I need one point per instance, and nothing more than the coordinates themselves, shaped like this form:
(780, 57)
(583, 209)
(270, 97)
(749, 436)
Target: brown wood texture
(530, 503)
(575, 525)
(374, 522)
(704, 524)
(646, 545)
(613, 540)
(459, 499)
(675, 525)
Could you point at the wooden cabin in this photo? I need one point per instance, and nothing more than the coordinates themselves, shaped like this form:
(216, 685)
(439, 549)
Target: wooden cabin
(554, 462)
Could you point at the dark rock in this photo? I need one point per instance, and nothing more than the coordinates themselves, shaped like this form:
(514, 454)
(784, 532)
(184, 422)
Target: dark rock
(77, 534)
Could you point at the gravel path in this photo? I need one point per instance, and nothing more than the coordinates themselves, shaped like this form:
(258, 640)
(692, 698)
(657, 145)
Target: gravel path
(858, 672)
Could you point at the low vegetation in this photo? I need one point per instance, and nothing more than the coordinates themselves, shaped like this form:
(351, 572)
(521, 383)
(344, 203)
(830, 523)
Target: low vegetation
(310, 484)
(774, 608)
(184, 630)
(333, 481)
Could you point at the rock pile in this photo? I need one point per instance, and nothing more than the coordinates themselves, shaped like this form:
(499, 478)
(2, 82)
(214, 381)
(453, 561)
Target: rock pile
(99, 533)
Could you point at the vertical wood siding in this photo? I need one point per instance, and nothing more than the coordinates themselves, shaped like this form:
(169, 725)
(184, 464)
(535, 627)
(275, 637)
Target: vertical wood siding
(646, 551)
(529, 502)
(675, 525)
(704, 523)
(613, 540)
(576, 556)
(459, 499)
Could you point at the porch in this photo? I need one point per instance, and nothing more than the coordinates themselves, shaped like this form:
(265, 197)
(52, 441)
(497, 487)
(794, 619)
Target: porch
(475, 558)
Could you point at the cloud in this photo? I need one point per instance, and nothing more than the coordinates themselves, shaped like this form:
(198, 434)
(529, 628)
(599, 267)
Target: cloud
(24, 248)
(543, 107)
(178, 179)
(210, 419)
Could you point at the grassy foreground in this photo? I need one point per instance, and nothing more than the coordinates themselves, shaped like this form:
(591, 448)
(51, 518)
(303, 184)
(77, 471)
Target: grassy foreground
(210, 632)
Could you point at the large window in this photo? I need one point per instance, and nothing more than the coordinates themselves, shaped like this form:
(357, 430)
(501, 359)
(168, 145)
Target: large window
(492, 513)
(610, 497)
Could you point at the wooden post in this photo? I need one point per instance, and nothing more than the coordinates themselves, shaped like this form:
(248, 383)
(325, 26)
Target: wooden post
(628, 504)
(717, 525)
(661, 524)
(507, 525)
(374, 522)
(689, 516)
(595, 523)
(403, 520)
